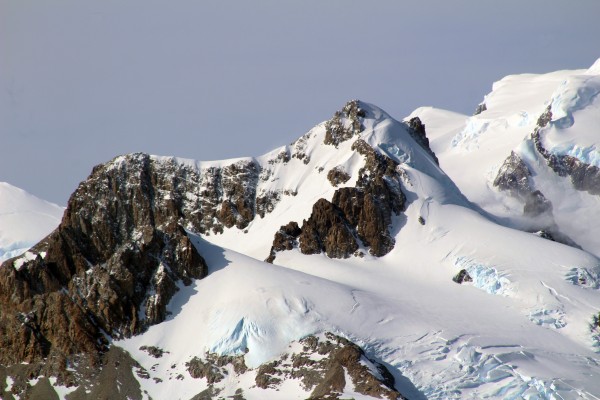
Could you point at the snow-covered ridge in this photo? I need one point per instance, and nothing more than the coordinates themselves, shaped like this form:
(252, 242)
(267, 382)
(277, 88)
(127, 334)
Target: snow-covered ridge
(485, 141)
(286, 182)
(24, 220)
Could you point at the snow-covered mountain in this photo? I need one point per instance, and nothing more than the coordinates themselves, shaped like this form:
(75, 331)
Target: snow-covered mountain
(348, 264)
(532, 134)
(24, 220)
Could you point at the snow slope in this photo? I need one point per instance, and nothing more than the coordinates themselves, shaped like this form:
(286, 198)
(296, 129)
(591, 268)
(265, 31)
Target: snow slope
(472, 149)
(521, 329)
(24, 220)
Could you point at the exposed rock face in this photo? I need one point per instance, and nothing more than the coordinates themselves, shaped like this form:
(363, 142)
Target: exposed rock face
(462, 276)
(321, 363)
(110, 268)
(514, 177)
(369, 206)
(112, 378)
(285, 239)
(327, 230)
(481, 107)
(154, 351)
(345, 124)
(417, 131)
(363, 212)
(337, 176)
(212, 369)
(585, 177)
(227, 196)
(326, 377)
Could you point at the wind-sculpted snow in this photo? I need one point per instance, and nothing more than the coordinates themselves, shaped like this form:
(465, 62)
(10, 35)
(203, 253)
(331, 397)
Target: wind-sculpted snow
(468, 137)
(574, 94)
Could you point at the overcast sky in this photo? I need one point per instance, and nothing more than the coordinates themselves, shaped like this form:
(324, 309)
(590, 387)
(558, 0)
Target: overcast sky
(83, 81)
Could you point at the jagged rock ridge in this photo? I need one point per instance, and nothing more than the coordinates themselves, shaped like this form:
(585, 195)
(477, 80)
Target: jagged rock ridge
(109, 269)
(584, 177)
(417, 131)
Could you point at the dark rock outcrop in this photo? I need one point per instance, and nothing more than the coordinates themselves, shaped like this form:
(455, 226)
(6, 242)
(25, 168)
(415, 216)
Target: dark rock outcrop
(584, 177)
(481, 107)
(338, 176)
(154, 351)
(112, 378)
(345, 124)
(462, 276)
(515, 178)
(417, 132)
(109, 269)
(286, 238)
(227, 196)
(115, 261)
(327, 230)
(322, 366)
(544, 234)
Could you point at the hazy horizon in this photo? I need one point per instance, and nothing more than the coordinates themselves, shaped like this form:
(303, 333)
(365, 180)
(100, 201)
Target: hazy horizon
(82, 82)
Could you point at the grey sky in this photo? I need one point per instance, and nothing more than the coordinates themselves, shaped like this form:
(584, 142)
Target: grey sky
(83, 81)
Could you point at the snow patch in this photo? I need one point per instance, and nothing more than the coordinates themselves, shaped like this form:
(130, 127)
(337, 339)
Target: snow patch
(396, 152)
(61, 390)
(573, 94)
(28, 256)
(235, 342)
(554, 318)
(468, 137)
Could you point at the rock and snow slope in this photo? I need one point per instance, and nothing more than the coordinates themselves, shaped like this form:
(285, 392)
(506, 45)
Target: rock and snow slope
(363, 188)
(549, 123)
(24, 220)
(522, 329)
